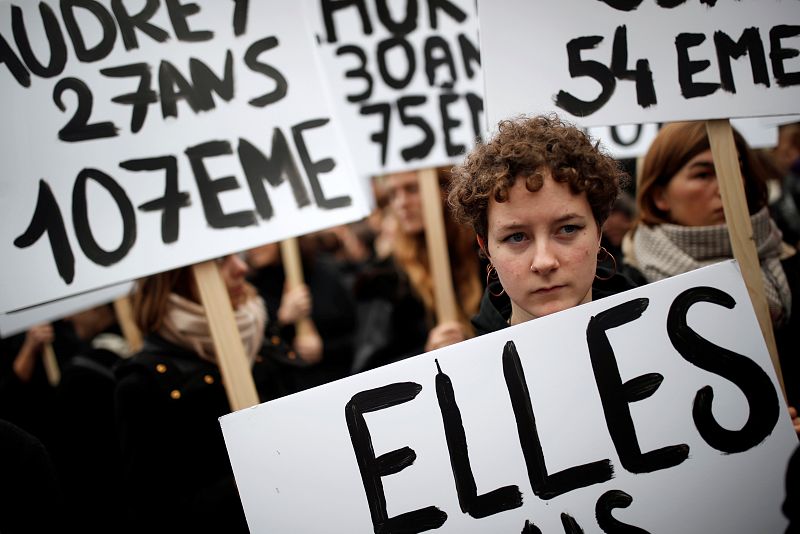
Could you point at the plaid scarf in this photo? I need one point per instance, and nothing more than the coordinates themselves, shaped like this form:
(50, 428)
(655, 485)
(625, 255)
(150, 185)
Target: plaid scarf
(665, 250)
(186, 325)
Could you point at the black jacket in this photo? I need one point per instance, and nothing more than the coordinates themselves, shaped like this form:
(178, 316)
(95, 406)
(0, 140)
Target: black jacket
(495, 311)
(333, 312)
(177, 474)
(393, 322)
(787, 337)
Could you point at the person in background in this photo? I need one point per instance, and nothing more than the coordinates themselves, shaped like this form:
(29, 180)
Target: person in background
(86, 452)
(382, 223)
(396, 298)
(681, 227)
(26, 395)
(619, 223)
(30, 496)
(168, 398)
(324, 298)
(786, 159)
(615, 229)
(537, 195)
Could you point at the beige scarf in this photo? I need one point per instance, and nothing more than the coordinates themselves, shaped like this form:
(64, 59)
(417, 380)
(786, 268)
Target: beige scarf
(186, 325)
(665, 250)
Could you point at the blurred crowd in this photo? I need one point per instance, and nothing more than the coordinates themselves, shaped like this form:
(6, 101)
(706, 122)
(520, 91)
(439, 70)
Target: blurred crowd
(129, 440)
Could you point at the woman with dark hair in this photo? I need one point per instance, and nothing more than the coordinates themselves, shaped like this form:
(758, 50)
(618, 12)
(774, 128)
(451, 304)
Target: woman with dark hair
(169, 397)
(396, 295)
(537, 195)
(682, 226)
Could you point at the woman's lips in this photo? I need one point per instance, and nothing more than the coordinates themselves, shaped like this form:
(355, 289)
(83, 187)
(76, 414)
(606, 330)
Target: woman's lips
(547, 290)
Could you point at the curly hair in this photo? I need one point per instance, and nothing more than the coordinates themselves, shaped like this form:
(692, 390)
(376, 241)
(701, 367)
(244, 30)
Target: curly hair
(673, 147)
(523, 147)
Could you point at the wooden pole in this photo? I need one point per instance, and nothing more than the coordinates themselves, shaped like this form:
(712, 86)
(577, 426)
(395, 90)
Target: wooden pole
(50, 362)
(233, 364)
(124, 311)
(293, 270)
(737, 218)
(436, 241)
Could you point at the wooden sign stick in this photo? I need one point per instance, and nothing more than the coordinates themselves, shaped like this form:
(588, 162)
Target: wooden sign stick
(436, 241)
(734, 202)
(293, 270)
(124, 311)
(50, 363)
(231, 359)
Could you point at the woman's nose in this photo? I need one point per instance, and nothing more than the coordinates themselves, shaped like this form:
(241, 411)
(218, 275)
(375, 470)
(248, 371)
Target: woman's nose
(544, 258)
(237, 264)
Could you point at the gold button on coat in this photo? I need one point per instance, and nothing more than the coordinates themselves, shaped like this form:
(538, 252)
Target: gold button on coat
(161, 368)
(208, 379)
(175, 394)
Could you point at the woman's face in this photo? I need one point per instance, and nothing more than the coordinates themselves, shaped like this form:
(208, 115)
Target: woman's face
(544, 247)
(691, 198)
(263, 255)
(233, 269)
(404, 199)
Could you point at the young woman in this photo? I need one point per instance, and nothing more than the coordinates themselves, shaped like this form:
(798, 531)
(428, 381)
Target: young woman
(169, 397)
(395, 294)
(537, 195)
(682, 227)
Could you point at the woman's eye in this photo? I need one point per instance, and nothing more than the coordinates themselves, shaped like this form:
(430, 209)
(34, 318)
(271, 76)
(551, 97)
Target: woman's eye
(570, 228)
(516, 237)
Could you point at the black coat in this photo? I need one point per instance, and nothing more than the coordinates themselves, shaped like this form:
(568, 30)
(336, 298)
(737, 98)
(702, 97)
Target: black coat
(495, 311)
(393, 322)
(86, 450)
(333, 312)
(30, 405)
(175, 465)
(787, 338)
(30, 499)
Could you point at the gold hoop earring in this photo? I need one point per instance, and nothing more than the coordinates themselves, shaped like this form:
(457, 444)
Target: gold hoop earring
(606, 255)
(490, 270)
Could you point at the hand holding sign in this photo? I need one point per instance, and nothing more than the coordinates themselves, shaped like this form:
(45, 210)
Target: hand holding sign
(307, 341)
(37, 339)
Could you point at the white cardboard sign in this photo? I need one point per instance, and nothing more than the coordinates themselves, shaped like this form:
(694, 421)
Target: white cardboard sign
(605, 62)
(21, 320)
(139, 137)
(405, 79)
(633, 140)
(656, 408)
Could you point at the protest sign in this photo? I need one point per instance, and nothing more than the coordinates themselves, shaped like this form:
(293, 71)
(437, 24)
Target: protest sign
(633, 140)
(140, 137)
(639, 61)
(405, 79)
(19, 321)
(656, 409)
